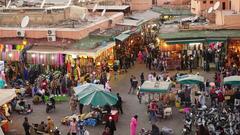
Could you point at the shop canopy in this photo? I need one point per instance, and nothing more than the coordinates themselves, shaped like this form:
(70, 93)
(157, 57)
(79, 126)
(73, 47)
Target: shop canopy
(155, 86)
(185, 41)
(190, 79)
(122, 37)
(232, 80)
(215, 35)
(6, 95)
(95, 95)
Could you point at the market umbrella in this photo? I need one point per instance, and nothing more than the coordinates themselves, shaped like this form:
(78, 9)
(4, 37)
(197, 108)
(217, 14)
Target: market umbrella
(190, 79)
(96, 96)
(155, 86)
(232, 80)
(86, 87)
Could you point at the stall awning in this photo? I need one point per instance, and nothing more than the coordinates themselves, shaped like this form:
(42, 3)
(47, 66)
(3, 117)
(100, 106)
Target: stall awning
(6, 95)
(209, 40)
(185, 41)
(155, 87)
(122, 37)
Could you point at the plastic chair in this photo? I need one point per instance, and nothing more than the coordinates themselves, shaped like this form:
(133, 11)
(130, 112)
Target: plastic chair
(167, 112)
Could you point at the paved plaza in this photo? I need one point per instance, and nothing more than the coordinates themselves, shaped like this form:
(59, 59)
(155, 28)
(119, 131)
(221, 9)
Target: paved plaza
(130, 108)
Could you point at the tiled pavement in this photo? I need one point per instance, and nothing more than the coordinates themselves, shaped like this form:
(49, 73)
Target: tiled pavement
(130, 107)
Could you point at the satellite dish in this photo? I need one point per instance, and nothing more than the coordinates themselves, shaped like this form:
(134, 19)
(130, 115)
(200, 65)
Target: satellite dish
(103, 12)
(210, 10)
(9, 2)
(25, 21)
(69, 2)
(84, 16)
(95, 8)
(216, 5)
(42, 4)
(20, 3)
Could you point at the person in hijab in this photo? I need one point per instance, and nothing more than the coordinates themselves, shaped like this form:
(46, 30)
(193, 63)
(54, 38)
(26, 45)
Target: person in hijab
(133, 125)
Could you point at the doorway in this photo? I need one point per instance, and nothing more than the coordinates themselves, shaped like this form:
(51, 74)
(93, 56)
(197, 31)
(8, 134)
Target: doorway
(223, 6)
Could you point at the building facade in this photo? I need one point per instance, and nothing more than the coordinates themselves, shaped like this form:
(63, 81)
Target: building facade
(200, 7)
(230, 17)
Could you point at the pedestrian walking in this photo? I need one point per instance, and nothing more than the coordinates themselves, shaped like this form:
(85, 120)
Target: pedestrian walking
(140, 57)
(131, 84)
(26, 126)
(111, 125)
(133, 125)
(134, 84)
(106, 131)
(202, 100)
(142, 78)
(213, 96)
(155, 130)
(237, 98)
(73, 127)
(119, 104)
(80, 108)
(152, 108)
(115, 69)
(73, 104)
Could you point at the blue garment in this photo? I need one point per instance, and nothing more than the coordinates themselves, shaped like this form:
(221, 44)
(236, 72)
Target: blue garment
(25, 74)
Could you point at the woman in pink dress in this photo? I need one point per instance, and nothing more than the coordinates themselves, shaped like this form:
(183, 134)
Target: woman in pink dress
(140, 57)
(133, 125)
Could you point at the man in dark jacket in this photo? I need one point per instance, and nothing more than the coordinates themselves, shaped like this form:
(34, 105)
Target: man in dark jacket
(26, 126)
(119, 104)
(111, 124)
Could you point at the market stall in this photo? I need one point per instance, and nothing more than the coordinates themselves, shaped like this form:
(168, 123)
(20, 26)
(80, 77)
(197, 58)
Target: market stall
(232, 53)
(6, 95)
(45, 55)
(10, 52)
(156, 90)
(88, 55)
(187, 95)
(232, 80)
(190, 79)
(155, 87)
(95, 96)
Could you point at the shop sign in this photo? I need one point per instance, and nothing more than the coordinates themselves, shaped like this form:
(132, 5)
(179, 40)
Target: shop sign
(1, 65)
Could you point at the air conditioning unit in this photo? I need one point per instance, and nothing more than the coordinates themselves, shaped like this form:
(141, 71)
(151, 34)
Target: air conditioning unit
(51, 32)
(51, 38)
(20, 33)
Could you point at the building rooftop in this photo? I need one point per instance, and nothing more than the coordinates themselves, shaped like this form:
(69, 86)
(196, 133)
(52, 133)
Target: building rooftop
(90, 43)
(201, 34)
(172, 11)
(116, 30)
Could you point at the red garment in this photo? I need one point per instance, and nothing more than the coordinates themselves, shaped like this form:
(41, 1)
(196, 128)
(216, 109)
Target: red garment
(105, 133)
(212, 91)
(220, 97)
(153, 106)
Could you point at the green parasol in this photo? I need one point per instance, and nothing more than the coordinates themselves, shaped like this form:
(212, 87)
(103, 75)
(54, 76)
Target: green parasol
(95, 95)
(155, 86)
(87, 87)
(190, 79)
(232, 80)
